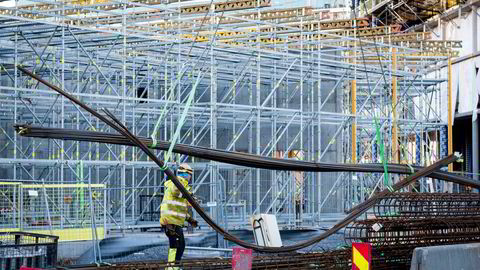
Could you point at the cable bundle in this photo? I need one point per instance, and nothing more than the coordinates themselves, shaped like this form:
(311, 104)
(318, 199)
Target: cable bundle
(235, 158)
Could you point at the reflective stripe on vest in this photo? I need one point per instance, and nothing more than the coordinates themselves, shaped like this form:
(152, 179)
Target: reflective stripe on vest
(175, 203)
(173, 213)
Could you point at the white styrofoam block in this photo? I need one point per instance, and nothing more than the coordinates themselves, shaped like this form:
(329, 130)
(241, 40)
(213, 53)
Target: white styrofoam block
(265, 230)
(377, 227)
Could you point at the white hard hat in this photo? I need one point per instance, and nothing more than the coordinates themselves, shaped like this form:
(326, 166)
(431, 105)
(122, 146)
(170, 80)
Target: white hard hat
(184, 167)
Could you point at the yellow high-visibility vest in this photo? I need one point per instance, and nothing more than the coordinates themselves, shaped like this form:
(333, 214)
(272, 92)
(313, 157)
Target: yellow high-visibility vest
(174, 208)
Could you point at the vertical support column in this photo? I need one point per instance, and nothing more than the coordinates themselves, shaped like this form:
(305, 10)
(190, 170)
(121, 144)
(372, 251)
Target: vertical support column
(354, 180)
(15, 85)
(250, 142)
(474, 29)
(213, 133)
(418, 154)
(257, 127)
(124, 148)
(134, 129)
(394, 108)
(62, 121)
(441, 26)
(450, 116)
(354, 121)
(302, 188)
(274, 141)
(475, 150)
(475, 121)
(257, 131)
(319, 129)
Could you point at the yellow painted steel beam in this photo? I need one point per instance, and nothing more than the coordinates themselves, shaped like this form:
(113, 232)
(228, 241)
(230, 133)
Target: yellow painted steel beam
(362, 32)
(267, 15)
(432, 44)
(395, 152)
(308, 25)
(84, 2)
(406, 37)
(337, 28)
(225, 6)
(264, 15)
(10, 183)
(438, 53)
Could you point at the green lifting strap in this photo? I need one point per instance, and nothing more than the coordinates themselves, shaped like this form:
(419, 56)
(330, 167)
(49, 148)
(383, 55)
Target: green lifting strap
(382, 155)
(182, 118)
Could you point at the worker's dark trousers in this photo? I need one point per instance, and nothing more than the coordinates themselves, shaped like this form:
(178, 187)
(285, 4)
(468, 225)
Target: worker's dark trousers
(177, 243)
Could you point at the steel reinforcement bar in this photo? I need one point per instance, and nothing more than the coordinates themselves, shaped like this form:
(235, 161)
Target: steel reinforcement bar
(415, 232)
(428, 205)
(382, 258)
(235, 158)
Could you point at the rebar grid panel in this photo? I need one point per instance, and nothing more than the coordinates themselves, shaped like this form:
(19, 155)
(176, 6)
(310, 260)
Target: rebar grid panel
(419, 232)
(27, 249)
(265, 86)
(427, 205)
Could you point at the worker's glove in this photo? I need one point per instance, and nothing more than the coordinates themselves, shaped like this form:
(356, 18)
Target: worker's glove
(192, 222)
(170, 230)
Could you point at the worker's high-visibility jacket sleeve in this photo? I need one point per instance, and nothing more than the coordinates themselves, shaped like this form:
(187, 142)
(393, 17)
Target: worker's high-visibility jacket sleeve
(174, 208)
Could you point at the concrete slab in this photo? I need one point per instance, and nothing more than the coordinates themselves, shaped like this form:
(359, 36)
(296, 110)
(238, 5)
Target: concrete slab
(73, 249)
(459, 257)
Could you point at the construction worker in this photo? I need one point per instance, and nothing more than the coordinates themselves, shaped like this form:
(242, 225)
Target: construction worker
(174, 213)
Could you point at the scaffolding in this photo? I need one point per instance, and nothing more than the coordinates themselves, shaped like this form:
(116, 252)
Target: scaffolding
(67, 210)
(264, 80)
(405, 12)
